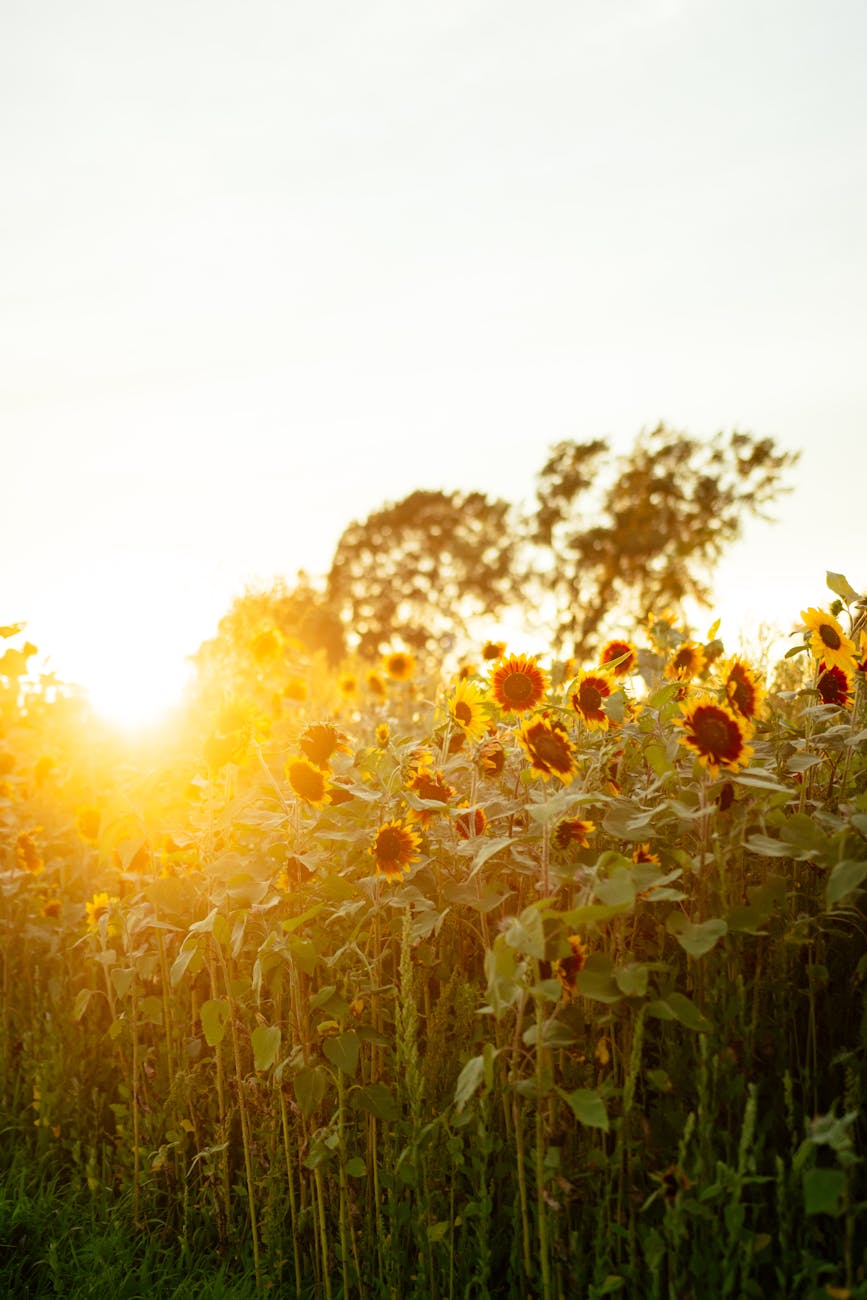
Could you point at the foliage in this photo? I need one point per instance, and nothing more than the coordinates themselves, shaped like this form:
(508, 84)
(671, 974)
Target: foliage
(605, 539)
(649, 538)
(604, 1033)
(417, 569)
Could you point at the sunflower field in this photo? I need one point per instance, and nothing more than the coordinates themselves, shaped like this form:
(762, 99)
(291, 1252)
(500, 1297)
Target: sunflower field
(536, 978)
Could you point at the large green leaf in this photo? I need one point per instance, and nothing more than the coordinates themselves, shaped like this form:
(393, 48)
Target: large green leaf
(696, 938)
(342, 1051)
(377, 1100)
(587, 1106)
(823, 1191)
(214, 1015)
(266, 1045)
(845, 878)
(310, 1083)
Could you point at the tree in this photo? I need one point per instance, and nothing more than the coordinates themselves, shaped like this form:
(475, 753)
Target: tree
(417, 569)
(649, 536)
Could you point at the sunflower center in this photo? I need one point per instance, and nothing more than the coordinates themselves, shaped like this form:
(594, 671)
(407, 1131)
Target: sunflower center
(830, 637)
(463, 713)
(591, 697)
(518, 687)
(551, 750)
(389, 845)
(716, 736)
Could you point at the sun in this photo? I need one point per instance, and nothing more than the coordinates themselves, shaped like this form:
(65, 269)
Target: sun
(131, 691)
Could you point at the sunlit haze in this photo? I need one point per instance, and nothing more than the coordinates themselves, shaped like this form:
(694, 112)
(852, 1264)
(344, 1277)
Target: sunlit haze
(265, 267)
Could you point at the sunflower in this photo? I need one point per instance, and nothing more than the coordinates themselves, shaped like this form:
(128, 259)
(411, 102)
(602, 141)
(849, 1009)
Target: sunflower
(642, 853)
(308, 782)
(546, 743)
(87, 820)
(375, 685)
(467, 709)
(716, 733)
(98, 907)
(51, 908)
(382, 733)
(572, 830)
(587, 694)
(295, 689)
(828, 641)
(493, 650)
(347, 684)
(686, 662)
(320, 740)
(27, 856)
(742, 690)
(622, 654)
(394, 848)
(427, 784)
(834, 685)
(471, 823)
(569, 968)
(399, 665)
(491, 757)
(518, 684)
(468, 670)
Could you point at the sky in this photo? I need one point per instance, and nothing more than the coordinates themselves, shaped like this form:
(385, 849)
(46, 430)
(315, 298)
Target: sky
(265, 266)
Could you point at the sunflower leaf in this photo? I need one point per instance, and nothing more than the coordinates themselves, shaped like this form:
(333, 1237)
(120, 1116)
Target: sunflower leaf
(841, 587)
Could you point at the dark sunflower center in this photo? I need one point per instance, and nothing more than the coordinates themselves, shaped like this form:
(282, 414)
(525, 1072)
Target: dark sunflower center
(389, 845)
(830, 637)
(591, 697)
(551, 750)
(717, 736)
(463, 713)
(518, 687)
(308, 784)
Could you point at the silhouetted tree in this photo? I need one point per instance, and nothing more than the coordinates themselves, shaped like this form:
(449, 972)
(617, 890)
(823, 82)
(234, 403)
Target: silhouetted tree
(647, 534)
(417, 569)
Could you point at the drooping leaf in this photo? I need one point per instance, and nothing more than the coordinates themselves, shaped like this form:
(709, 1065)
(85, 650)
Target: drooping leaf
(587, 1107)
(696, 938)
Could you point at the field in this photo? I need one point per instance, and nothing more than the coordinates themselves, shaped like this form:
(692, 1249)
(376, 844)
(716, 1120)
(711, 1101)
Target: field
(533, 979)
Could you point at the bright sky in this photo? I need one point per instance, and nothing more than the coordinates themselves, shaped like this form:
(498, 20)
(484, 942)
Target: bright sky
(264, 266)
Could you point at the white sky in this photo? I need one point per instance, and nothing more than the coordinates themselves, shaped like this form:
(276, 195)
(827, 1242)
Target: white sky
(266, 265)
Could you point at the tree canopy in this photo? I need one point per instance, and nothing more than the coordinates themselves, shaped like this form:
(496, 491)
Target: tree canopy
(605, 538)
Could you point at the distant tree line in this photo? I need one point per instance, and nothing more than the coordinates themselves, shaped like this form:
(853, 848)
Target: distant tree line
(604, 540)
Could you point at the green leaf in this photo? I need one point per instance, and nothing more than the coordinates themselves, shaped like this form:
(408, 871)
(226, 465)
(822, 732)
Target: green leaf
(687, 1013)
(436, 1231)
(587, 1107)
(342, 1051)
(122, 979)
(840, 587)
(823, 1191)
(355, 1167)
(311, 1084)
(150, 1010)
(695, 938)
(189, 950)
(293, 922)
(526, 933)
(469, 1081)
(596, 980)
(632, 980)
(763, 900)
(503, 975)
(845, 877)
(377, 1100)
(82, 998)
(266, 1045)
(618, 889)
(580, 918)
(214, 1015)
